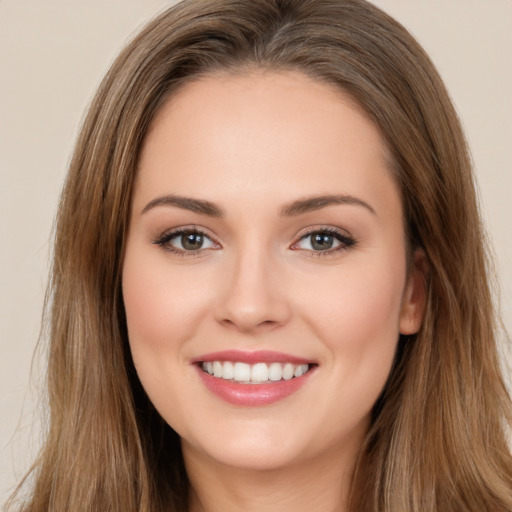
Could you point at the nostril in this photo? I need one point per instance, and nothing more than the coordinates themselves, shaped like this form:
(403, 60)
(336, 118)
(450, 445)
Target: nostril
(247, 326)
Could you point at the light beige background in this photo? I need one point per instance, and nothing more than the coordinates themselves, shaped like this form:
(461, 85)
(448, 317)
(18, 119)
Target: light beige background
(53, 54)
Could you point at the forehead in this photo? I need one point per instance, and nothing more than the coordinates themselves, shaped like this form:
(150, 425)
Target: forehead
(262, 134)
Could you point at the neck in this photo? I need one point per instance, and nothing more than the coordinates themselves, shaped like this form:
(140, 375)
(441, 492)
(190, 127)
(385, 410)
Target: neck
(308, 485)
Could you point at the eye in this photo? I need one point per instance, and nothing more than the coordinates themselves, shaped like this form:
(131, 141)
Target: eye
(324, 240)
(186, 241)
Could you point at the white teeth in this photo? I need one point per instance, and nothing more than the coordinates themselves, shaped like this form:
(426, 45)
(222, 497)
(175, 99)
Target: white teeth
(288, 371)
(217, 369)
(256, 373)
(228, 370)
(275, 371)
(300, 370)
(259, 372)
(242, 372)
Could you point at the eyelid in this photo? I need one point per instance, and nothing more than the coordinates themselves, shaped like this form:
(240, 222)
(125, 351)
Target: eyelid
(165, 237)
(346, 240)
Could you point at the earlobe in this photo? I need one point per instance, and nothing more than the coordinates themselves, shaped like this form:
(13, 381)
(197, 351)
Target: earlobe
(415, 295)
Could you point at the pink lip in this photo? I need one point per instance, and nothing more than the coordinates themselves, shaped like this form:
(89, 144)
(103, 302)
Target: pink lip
(258, 356)
(252, 395)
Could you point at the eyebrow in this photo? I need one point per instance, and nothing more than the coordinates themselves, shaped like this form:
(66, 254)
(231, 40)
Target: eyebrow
(310, 204)
(200, 206)
(298, 207)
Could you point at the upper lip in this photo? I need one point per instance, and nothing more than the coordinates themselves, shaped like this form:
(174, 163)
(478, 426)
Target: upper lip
(251, 357)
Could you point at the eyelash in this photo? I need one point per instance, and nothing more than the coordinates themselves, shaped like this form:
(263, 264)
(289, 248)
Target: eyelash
(165, 238)
(345, 241)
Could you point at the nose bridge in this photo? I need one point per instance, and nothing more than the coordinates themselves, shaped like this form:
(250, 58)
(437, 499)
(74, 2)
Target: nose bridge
(254, 297)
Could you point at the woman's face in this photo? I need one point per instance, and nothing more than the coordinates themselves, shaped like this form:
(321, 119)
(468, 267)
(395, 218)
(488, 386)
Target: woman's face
(266, 246)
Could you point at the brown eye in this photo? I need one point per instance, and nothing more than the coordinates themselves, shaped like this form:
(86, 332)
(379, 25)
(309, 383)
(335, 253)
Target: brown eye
(192, 241)
(186, 241)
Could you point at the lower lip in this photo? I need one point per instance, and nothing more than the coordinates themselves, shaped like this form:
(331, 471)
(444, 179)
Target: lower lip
(252, 395)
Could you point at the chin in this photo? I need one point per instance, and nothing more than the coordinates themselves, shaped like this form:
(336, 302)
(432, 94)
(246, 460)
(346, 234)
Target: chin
(250, 456)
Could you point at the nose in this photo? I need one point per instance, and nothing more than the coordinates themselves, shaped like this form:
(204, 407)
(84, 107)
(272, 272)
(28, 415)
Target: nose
(255, 297)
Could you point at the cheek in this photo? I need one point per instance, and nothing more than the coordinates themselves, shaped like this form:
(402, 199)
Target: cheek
(157, 302)
(358, 300)
(163, 311)
(357, 317)
(372, 306)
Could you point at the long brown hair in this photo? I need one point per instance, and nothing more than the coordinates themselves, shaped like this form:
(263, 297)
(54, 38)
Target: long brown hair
(438, 439)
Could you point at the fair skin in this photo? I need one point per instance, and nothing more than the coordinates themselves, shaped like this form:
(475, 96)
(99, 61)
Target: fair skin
(262, 267)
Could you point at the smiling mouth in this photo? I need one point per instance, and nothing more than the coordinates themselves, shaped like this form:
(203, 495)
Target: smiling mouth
(259, 373)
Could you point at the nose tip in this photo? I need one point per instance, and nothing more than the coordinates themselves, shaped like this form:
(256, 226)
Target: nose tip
(248, 321)
(254, 299)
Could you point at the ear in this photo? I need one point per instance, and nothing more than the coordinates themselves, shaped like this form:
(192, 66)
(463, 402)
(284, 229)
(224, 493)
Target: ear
(414, 299)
